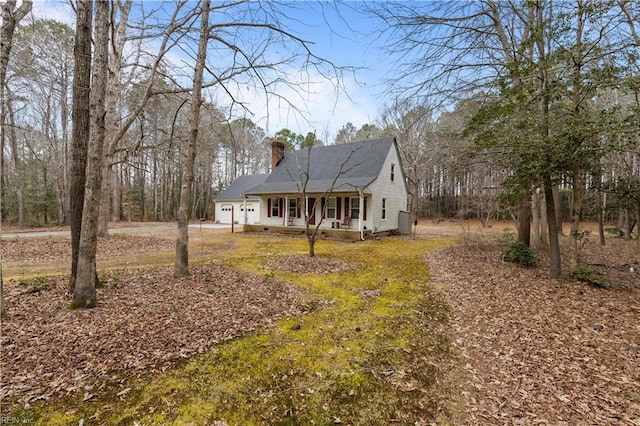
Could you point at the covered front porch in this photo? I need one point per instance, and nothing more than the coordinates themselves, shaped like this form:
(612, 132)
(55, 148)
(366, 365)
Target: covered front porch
(343, 215)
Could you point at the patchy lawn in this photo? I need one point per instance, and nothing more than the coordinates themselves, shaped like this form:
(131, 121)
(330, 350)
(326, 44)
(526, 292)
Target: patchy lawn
(362, 342)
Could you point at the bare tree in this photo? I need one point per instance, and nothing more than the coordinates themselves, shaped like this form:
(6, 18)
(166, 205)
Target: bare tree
(302, 176)
(115, 64)
(181, 266)
(117, 127)
(415, 128)
(84, 295)
(80, 115)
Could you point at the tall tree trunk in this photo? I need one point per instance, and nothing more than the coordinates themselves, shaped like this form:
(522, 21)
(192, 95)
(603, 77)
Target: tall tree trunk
(181, 267)
(112, 118)
(601, 210)
(576, 209)
(557, 201)
(61, 171)
(578, 140)
(84, 295)
(10, 18)
(555, 266)
(81, 126)
(536, 215)
(524, 219)
(118, 132)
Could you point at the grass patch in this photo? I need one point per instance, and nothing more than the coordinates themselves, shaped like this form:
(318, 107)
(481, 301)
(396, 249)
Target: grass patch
(369, 355)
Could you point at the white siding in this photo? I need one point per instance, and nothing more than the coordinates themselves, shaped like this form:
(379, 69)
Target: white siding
(395, 193)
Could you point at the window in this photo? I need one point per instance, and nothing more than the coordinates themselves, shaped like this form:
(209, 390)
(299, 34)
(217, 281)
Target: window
(275, 207)
(331, 208)
(354, 208)
(393, 172)
(384, 208)
(293, 207)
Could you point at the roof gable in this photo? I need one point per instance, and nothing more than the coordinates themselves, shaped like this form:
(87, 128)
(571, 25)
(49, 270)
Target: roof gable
(353, 166)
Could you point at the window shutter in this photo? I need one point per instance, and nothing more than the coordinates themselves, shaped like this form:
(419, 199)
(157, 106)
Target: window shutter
(268, 207)
(346, 207)
(298, 208)
(280, 209)
(338, 206)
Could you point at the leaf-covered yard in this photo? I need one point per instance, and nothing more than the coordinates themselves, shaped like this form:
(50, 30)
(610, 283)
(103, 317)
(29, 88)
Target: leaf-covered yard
(540, 351)
(362, 343)
(436, 330)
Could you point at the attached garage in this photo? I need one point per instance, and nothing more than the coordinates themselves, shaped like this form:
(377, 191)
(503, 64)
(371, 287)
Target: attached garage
(231, 203)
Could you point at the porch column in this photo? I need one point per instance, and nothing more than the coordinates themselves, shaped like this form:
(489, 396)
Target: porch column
(286, 211)
(361, 215)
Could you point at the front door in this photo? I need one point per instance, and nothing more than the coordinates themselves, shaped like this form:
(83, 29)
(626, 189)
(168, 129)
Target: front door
(311, 211)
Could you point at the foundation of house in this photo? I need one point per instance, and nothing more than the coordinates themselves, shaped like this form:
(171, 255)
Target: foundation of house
(345, 234)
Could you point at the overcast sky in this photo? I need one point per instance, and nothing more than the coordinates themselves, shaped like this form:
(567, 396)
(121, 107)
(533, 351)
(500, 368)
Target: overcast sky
(339, 34)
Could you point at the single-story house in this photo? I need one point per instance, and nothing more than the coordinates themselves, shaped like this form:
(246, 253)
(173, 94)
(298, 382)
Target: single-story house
(232, 206)
(354, 189)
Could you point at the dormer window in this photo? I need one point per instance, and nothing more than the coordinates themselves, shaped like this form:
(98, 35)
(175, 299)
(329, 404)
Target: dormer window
(393, 172)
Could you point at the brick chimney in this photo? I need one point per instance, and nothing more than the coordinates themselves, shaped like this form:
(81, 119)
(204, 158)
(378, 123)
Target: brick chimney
(277, 153)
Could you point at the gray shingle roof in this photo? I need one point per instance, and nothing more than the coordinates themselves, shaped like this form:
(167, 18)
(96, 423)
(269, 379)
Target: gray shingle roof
(356, 165)
(238, 187)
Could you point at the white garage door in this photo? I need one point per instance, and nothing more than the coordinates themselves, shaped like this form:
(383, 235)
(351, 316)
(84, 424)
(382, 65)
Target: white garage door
(251, 214)
(225, 213)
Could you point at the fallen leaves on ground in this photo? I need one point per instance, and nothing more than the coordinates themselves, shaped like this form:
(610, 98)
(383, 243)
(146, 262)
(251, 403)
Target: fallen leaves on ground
(145, 319)
(59, 248)
(543, 351)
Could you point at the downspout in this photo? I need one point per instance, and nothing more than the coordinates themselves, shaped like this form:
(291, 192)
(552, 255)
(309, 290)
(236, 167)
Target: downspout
(361, 215)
